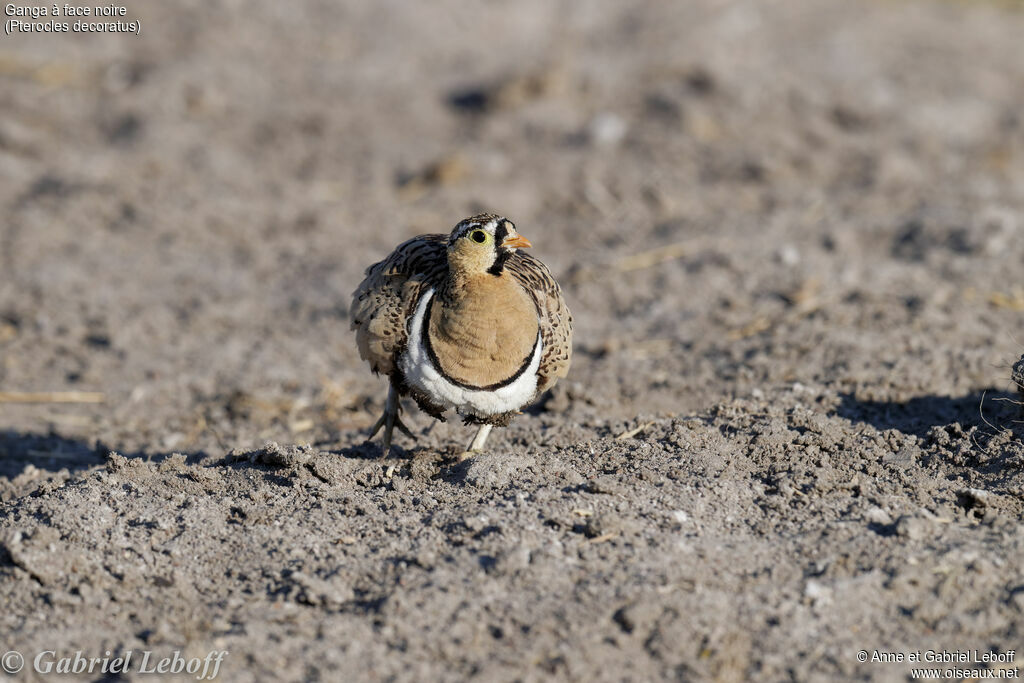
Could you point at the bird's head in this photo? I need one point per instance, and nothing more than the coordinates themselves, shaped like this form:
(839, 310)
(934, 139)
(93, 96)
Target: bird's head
(481, 244)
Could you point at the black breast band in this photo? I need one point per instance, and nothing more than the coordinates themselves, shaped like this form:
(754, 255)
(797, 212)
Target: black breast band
(437, 365)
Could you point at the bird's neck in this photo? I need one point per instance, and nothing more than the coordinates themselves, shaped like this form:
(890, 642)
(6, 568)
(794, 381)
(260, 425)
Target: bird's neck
(460, 286)
(474, 290)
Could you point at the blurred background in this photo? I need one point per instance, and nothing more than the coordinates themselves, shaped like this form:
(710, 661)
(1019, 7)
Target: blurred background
(736, 196)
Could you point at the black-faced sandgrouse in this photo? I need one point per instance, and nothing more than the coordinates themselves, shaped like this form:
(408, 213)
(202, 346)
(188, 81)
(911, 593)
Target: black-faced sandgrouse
(464, 321)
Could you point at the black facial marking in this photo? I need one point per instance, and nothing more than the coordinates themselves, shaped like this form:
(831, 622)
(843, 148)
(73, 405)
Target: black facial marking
(499, 262)
(502, 254)
(501, 232)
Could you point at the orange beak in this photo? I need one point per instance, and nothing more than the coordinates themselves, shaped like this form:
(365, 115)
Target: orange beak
(517, 241)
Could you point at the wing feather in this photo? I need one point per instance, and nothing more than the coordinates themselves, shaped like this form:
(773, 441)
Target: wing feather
(555, 318)
(388, 294)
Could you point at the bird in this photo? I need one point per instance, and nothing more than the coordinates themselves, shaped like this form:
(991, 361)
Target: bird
(1018, 378)
(465, 322)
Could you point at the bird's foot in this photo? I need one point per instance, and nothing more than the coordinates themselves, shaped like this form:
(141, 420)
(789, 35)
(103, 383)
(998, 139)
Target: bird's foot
(389, 420)
(466, 455)
(389, 424)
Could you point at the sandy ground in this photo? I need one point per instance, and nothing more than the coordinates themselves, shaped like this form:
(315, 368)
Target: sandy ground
(792, 235)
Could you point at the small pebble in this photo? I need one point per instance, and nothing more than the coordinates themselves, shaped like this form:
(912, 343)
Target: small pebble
(913, 528)
(607, 129)
(877, 515)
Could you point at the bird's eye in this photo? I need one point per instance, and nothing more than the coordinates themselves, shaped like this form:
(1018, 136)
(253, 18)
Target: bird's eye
(478, 236)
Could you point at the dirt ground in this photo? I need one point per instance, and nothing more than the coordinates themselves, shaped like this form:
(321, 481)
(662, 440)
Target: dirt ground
(792, 237)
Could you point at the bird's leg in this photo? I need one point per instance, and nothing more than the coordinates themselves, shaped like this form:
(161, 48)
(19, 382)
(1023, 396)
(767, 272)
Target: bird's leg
(480, 438)
(478, 443)
(389, 420)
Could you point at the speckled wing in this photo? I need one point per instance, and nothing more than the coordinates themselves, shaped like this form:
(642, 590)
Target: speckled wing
(555, 318)
(386, 298)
